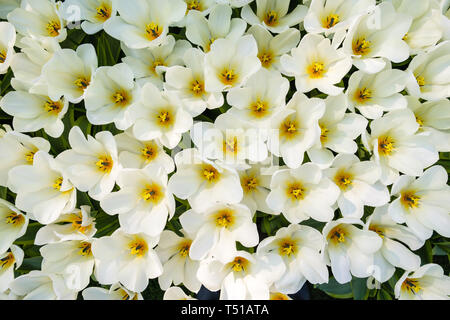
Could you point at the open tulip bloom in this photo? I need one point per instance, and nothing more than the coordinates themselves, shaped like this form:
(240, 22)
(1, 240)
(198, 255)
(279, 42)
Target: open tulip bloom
(224, 149)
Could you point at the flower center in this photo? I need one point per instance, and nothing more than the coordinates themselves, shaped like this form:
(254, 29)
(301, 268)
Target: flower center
(53, 28)
(249, 184)
(103, 12)
(120, 98)
(15, 219)
(152, 193)
(361, 46)
(420, 81)
(271, 18)
(230, 145)
(287, 247)
(153, 31)
(289, 129)
(337, 235)
(228, 77)
(377, 229)
(295, 191)
(208, 45)
(224, 218)
(29, 157)
(164, 118)
(197, 88)
(138, 247)
(316, 70)
(409, 200)
(411, 285)
(77, 222)
(58, 183)
(386, 146)
(81, 83)
(278, 296)
(344, 180)
(363, 95)
(324, 132)
(330, 21)
(194, 5)
(156, 63)
(185, 246)
(7, 261)
(2, 56)
(239, 264)
(105, 164)
(85, 249)
(209, 173)
(259, 109)
(266, 59)
(150, 151)
(54, 107)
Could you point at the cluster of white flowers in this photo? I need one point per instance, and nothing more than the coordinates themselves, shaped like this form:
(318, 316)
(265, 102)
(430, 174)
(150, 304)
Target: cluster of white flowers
(316, 130)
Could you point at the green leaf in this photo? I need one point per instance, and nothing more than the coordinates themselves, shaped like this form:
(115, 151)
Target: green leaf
(30, 264)
(336, 290)
(383, 295)
(3, 192)
(30, 234)
(359, 288)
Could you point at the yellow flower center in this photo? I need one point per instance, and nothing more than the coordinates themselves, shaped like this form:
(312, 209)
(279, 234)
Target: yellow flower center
(324, 132)
(29, 157)
(239, 264)
(271, 18)
(156, 63)
(2, 56)
(103, 12)
(259, 109)
(77, 222)
(409, 200)
(420, 81)
(337, 235)
(153, 31)
(224, 218)
(193, 5)
(7, 261)
(208, 45)
(343, 180)
(289, 128)
(58, 183)
(249, 184)
(287, 247)
(209, 173)
(316, 70)
(150, 151)
(15, 219)
(295, 191)
(266, 59)
(82, 83)
(363, 95)
(419, 121)
(230, 145)
(278, 296)
(152, 193)
(411, 285)
(138, 247)
(184, 248)
(105, 164)
(330, 21)
(85, 249)
(53, 28)
(164, 118)
(377, 229)
(405, 37)
(386, 146)
(54, 107)
(228, 77)
(361, 46)
(197, 88)
(120, 98)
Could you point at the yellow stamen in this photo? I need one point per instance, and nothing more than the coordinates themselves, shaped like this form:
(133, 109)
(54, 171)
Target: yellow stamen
(324, 132)
(420, 81)
(343, 180)
(409, 200)
(295, 191)
(230, 145)
(77, 222)
(53, 28)
(153, 31)
(316, 70)
(15, 219)
(330, 21)
(194, 5)
(7, 261)
(337, 235)
(288, 128)
(377, 229)
(239, 264)
(103, 12)
(54, 107)
(278, 296)
(82, 83)
(150, 151)
(209, 173)
(259, 109)
(138, 247)
(271, 18)
(197, 88)
(224, 218)
(105, 163)
(411, 285)
(58, 183)
(164, 118)
(363, 95)
(228, 77)
(287, 247)
(152, 193)
(208, 45)
(2, 56)
(361, 46)
(156, 63)
(184, 248)
(386, 146)
(85, 249)
(249, 184)
(266, 59)
(29, 157)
